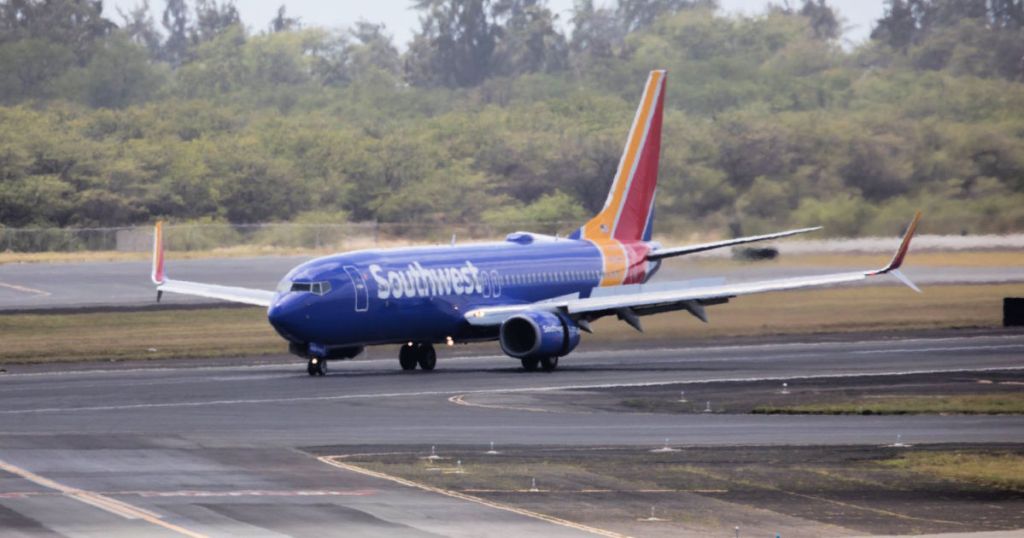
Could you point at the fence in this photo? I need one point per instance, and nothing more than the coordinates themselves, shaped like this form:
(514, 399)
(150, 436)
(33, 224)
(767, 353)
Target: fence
(192, 237)
(348, 236)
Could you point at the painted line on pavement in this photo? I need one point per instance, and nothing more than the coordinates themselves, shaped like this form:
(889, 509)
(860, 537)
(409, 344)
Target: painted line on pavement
(333, 461)
(96, 500)
(460, 399)
(25, 289)
(342, 397)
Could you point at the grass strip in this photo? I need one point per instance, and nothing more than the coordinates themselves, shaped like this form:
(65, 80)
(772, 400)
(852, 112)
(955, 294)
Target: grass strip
(987, 469)
(968, 404)
(160, 334)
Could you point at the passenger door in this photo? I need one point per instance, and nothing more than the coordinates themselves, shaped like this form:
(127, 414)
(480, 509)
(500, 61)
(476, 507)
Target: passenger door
(358, 288)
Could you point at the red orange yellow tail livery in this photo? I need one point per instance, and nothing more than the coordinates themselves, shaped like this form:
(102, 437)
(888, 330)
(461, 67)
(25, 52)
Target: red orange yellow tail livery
(629, 210)
(623, 227)
(158, 253)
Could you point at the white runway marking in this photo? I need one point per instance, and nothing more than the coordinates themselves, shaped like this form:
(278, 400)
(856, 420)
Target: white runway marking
(455, 391)
(25, 289)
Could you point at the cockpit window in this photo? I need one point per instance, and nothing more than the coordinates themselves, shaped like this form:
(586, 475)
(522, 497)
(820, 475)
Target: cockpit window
(316, 288)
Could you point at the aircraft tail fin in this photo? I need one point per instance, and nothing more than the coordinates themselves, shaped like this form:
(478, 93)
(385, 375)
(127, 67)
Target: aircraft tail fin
(628, 213)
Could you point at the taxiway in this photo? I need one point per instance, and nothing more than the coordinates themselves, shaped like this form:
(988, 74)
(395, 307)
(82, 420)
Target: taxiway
(228, 447)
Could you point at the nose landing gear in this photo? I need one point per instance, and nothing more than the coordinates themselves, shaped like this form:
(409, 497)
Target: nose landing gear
(413, 354)
(316, 367)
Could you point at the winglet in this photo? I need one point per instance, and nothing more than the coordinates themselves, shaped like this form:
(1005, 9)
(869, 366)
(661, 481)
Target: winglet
(158, 253)
(901, 253)
(897, 259)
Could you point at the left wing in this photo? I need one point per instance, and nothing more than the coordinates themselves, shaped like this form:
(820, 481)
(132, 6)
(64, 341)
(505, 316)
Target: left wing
(198, 289)
(629, 306)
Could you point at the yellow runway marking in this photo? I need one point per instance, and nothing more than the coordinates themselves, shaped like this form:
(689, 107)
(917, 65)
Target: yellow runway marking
(24, 289)
(333, 461)
(460, 399)
(96, 500)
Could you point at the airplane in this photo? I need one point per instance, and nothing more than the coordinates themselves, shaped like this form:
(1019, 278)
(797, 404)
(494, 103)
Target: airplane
(533, 293)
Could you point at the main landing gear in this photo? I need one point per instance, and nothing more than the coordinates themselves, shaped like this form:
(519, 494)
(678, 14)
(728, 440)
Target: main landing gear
(547, 364)
(415, 353)
(316, 367)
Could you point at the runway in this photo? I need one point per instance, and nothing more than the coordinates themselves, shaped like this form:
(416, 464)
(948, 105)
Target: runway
(218, 448)
(40, 286)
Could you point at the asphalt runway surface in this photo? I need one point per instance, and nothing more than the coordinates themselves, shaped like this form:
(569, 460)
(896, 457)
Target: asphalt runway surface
(215, 448)
(119, 284)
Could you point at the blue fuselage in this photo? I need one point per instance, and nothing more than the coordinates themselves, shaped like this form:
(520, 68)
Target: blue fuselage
(421, 294)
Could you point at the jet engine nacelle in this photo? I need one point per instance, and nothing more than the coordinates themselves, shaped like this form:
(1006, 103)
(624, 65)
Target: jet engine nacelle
(538, 334)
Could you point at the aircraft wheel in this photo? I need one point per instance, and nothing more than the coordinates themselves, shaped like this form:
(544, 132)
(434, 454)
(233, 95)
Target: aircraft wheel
(427, 357)
(316, 367)
(407, 357)
(529, 365)
(549, 363)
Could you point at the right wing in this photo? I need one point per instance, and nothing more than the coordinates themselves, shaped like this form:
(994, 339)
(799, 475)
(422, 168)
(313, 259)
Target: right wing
(198, 289)
(629, 303)
(701, 247)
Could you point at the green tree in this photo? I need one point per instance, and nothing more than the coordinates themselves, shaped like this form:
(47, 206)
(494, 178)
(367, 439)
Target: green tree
(454, 46)
(213, 18)
(528, 40)
(597, 36)
(73, 24)
(372, 50)
(823, 19)
(639, 14)
(176, 22)
(282, 22)
(139, 26)
(29, 68)
(119, 74)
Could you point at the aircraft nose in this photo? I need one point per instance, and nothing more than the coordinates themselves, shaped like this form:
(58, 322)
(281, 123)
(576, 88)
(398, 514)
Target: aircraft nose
(281, 315)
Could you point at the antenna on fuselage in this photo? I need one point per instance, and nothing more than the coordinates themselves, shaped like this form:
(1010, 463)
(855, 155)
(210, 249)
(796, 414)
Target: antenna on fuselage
(453, 240)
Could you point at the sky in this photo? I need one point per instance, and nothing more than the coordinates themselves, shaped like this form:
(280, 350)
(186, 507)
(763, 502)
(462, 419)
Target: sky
(401, 21)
